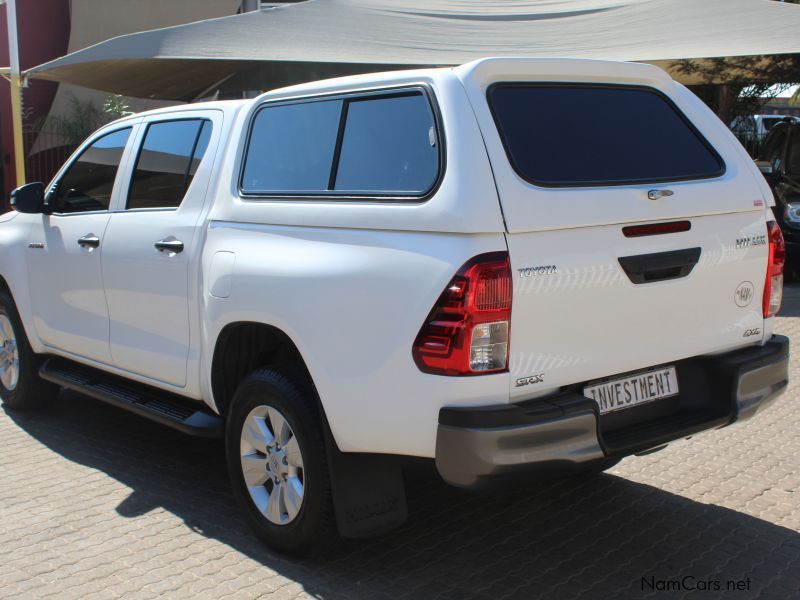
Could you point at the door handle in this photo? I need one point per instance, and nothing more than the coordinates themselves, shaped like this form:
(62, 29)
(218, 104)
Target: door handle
(90, 240)
(169, 244)
(646, 268)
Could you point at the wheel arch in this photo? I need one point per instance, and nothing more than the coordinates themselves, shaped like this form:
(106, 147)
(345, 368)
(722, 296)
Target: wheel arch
(4, 287)
(243, 346)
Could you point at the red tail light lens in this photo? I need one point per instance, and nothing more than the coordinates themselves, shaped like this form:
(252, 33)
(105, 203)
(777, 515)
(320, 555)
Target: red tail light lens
(467, 331)
(773, 288)
(656, 228)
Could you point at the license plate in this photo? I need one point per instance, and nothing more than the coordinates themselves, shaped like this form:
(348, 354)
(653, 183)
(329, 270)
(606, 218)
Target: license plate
(633, 390)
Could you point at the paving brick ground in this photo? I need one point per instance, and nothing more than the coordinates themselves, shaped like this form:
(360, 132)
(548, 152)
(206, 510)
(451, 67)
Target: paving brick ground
(98, 503)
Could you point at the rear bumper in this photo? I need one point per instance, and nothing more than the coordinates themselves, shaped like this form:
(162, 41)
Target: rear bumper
(565, 432)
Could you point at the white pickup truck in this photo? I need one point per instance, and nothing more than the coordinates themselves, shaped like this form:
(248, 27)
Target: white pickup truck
(449, 264)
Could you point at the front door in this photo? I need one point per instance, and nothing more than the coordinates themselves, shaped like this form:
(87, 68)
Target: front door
(65, 251)
(151, 243)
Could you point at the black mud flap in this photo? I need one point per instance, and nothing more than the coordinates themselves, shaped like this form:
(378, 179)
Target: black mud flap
(369, 495)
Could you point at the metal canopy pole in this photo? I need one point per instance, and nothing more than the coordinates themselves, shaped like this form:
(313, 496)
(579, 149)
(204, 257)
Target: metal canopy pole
(15, 78)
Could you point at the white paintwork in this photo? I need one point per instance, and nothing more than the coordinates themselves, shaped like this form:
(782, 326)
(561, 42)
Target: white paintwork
(350, 282)
(66, 285)
(590, 320)
(220, 274)
(531, 208)
(353, 301)
(68, 302)
(147, 291)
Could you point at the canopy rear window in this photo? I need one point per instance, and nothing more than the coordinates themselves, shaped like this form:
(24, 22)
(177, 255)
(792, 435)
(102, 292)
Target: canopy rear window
(581, 135)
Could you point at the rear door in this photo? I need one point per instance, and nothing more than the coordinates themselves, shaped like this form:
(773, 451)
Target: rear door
(151, 241)
(582, 151)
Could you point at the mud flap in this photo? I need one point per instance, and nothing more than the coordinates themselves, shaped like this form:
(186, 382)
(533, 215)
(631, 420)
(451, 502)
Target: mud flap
(369, 495)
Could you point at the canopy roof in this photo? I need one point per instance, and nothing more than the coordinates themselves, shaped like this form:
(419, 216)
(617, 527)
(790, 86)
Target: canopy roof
(325, 38)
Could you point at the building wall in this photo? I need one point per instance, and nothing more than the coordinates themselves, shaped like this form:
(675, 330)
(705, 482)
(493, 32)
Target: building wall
(43, 28)
(51, 28)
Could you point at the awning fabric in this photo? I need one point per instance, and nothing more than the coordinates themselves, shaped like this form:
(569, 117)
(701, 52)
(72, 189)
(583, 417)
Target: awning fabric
(325, 38)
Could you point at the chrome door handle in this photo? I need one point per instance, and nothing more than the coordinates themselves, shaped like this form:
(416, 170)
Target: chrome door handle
(90, 240)
(169, 244)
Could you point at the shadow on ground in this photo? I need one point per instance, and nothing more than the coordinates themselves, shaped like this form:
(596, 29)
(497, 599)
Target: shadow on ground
(592, 537)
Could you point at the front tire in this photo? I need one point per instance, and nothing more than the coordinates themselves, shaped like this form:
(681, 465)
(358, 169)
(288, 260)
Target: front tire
(277, 463)
(20, 385)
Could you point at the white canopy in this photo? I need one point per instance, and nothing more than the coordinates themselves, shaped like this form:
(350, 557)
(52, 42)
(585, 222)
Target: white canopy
(323, 38)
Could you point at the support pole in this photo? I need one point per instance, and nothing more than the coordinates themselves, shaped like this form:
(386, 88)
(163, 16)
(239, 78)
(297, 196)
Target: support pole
(15, 79)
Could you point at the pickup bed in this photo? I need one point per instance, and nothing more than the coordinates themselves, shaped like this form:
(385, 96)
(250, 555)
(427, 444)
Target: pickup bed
(444, 264)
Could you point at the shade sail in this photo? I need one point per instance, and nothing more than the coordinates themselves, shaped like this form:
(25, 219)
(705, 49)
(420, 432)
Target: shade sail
(323, 38)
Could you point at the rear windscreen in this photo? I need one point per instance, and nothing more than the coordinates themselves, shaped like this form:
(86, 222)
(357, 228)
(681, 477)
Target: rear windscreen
(575, 135)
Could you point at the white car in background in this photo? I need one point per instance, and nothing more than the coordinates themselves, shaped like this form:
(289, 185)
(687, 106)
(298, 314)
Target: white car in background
(757, 126)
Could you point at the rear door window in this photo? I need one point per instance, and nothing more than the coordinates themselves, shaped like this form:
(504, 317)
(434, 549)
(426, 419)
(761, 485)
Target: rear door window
(581, 135)
(169, 156)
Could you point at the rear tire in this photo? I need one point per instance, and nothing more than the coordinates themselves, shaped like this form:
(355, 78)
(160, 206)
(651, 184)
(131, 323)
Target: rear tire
(277, 463)
(21, 388)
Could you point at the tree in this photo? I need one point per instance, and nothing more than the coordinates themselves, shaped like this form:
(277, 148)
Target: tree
(749, 81)
(741, 85)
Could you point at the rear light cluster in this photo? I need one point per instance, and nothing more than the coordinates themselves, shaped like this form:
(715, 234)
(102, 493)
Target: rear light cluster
(467, 331)
(773, 288)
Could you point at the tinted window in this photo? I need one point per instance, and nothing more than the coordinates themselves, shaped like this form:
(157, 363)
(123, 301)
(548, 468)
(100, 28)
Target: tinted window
(167, 161)
(89, 181)
(291, 148)
(389, 145)
(200, 149)
(582, 135)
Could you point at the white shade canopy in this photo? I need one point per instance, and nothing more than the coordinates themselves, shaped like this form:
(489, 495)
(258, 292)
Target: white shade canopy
(324, 38)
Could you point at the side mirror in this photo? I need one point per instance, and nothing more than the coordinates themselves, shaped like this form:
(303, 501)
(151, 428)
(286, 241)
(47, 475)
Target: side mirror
(28, 198)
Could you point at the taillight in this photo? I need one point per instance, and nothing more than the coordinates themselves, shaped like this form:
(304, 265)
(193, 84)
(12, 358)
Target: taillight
(773, 288)
(467, 331)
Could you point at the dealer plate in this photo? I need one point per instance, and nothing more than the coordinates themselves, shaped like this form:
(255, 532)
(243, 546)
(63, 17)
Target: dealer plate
(633, 390)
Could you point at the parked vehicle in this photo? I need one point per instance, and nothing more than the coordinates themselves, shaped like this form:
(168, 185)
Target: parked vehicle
(340, 274)
(757, 126)
(780, 164)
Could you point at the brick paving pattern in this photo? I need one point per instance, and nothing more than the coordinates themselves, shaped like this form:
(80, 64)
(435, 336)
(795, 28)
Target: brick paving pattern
(97, 503)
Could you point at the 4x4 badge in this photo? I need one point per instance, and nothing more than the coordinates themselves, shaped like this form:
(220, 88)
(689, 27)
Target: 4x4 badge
(530, 379)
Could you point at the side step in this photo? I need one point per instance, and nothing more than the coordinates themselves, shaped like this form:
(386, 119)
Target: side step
(159, 406)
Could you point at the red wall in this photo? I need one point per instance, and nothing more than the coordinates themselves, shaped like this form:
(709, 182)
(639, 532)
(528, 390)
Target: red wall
(43, 28)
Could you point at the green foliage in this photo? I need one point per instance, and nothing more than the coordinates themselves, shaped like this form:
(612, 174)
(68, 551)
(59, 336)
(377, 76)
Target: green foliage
(750, 81)
(116, 107)
(741, 85)
(82, 118)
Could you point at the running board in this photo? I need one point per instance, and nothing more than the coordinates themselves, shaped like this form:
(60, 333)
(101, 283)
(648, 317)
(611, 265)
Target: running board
(159, 406)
